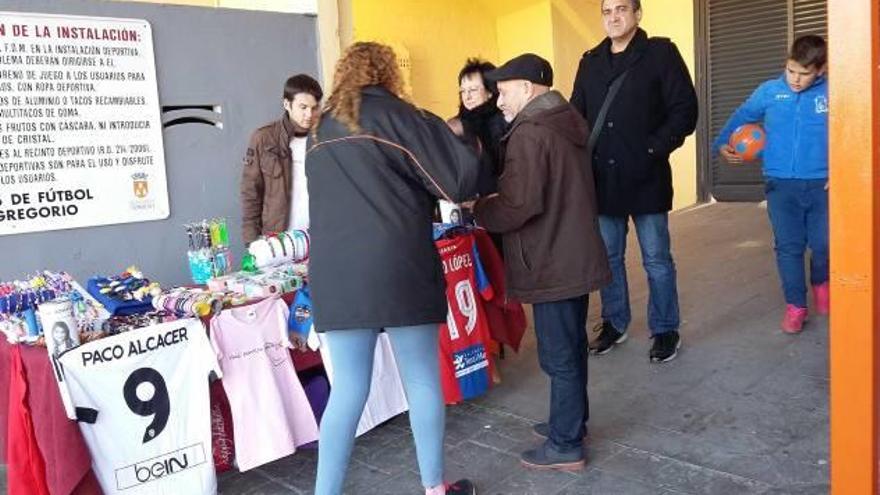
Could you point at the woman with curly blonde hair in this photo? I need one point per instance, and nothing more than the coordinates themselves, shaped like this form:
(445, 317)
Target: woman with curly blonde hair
(375, 169)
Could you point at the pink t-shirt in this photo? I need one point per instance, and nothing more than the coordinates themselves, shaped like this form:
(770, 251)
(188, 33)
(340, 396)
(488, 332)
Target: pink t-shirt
(271, 415)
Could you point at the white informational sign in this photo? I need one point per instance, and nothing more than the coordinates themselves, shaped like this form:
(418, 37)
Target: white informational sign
(80, 123)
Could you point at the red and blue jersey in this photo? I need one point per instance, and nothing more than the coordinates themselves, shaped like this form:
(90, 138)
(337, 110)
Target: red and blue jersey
(465, 367)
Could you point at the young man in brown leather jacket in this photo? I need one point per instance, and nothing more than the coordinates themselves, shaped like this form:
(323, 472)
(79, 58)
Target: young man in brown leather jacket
(274, 194)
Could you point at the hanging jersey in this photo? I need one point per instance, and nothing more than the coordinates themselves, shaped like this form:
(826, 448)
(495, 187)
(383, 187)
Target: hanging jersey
(271, 415)
(142, 401)
(465, 367)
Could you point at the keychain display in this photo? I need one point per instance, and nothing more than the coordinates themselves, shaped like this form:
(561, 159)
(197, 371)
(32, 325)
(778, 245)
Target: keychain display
(129, 286)
(20, 300)
(127, 293)
(208, 255)
(18, 296)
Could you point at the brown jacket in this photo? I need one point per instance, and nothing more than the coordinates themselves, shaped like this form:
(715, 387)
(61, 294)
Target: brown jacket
(266, 182)
(546, 206)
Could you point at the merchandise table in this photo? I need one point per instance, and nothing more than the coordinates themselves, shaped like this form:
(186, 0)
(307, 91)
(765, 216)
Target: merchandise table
(66, 456)
(67, 459)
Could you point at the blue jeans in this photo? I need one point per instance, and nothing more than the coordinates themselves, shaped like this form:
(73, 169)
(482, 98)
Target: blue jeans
(351, 352)
(562, 353)
(653, 233)
(798, 210)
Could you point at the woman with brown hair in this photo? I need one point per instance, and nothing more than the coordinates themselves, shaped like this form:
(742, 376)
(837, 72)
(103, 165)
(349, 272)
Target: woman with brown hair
(481, 120)
(375, 168)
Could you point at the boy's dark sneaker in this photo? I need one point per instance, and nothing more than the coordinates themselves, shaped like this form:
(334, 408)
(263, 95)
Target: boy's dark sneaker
(461, 487)
(546, 457)
(542, 430)
(608, 338)
(665, 347)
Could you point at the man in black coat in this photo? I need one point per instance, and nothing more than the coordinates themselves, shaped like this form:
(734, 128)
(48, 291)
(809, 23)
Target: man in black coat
(653, 110)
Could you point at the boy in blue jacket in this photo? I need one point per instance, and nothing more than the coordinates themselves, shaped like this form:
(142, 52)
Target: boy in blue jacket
(794, 112)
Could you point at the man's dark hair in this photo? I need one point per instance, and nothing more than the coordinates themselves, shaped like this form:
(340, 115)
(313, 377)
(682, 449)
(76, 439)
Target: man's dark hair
(809, 50)
(302, 83)
(636, 5)
(477, 66)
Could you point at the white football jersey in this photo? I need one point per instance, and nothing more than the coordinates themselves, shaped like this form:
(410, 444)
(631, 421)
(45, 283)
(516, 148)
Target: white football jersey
(143, 406)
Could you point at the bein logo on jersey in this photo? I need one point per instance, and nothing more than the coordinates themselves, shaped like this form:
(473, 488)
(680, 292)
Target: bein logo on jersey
(160, 467)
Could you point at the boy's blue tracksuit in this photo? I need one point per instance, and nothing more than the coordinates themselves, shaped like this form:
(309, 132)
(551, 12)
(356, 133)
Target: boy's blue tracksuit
(796, 125)
(796, 172)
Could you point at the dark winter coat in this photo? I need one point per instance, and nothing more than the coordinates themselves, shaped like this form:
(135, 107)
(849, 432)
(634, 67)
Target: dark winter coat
(485, 125)
(650, 117)
(546, 206)
(371, 197)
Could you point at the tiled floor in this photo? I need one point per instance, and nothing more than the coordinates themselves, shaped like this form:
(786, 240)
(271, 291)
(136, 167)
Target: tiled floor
(743, 410)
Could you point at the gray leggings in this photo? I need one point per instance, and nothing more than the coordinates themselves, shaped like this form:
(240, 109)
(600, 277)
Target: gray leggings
(351, 353)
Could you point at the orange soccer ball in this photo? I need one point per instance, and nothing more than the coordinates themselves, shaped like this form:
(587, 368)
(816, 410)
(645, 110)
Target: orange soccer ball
(748, 141)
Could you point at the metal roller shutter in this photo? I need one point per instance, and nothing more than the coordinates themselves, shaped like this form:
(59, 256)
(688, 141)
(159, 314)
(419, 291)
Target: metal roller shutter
(746, 44)
(810, 17)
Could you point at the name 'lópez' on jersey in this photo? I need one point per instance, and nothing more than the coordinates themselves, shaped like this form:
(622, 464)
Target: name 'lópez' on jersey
(465, 367)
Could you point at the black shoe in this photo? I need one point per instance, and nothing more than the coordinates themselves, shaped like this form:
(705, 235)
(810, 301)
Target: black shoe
(461, 487)
(665, 347)
(608, 338)
(546, 457)
(542, 430)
